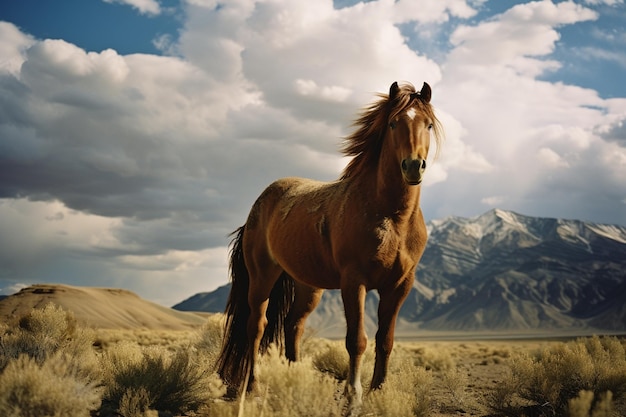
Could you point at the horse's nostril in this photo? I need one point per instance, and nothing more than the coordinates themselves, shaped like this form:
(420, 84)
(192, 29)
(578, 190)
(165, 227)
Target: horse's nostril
(405, 165)
(424, 164)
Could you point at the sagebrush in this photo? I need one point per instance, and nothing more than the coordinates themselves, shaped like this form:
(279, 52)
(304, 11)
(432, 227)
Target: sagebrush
(48, 367)
(548, 381)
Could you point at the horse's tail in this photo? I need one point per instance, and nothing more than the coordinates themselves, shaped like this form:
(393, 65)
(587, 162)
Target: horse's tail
(234, 361)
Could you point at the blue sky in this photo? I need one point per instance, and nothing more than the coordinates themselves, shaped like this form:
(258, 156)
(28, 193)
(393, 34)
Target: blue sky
(95, 25)
(135, 134)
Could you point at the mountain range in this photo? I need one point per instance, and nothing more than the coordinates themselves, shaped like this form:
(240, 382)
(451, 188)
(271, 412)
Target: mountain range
(494, 273)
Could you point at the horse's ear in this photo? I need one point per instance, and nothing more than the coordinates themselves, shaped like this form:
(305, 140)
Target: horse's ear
(425, 93)
(394, 90)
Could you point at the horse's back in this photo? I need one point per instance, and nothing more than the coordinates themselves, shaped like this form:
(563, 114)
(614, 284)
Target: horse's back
(291, 219)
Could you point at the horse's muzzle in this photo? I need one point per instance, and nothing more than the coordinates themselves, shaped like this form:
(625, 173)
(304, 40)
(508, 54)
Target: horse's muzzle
(413, 170)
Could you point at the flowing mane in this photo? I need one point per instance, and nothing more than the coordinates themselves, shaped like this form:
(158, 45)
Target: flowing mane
(365, 143)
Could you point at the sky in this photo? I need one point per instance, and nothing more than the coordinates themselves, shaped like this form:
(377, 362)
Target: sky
(136, 134)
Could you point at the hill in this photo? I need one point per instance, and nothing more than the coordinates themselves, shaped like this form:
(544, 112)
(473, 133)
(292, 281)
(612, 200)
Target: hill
(499, 272)
(105, 308)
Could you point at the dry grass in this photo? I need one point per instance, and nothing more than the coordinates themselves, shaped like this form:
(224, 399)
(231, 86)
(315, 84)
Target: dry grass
(47, 367)
(50, 366)
(588, 371)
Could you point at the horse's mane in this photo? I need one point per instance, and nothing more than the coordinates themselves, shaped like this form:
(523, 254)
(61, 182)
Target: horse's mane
(366, 142)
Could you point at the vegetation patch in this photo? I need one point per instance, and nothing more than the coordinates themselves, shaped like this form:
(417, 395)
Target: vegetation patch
(566, 378)
(50, 366)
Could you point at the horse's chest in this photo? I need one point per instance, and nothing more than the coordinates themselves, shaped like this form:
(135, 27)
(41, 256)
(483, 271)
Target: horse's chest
(395, 247)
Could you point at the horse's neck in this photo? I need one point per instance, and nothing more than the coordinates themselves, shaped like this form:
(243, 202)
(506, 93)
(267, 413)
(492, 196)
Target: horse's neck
(392, 195)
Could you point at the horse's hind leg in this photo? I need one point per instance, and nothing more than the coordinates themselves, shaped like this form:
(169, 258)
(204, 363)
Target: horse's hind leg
(305, 300)
(262, 281)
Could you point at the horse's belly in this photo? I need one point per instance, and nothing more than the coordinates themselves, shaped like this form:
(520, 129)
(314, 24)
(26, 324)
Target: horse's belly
(309, 267)
(305, 257)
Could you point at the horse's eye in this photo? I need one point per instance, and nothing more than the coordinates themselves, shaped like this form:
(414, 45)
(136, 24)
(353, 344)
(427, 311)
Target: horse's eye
(392, 125)
(430, 126)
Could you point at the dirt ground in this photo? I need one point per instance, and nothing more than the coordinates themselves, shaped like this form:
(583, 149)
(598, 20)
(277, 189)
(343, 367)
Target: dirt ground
(481, 366)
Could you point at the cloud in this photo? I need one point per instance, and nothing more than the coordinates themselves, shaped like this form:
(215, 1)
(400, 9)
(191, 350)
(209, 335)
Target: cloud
(595, 53)
(493, 201)
(131, 170)
(174, 149)
(528, 132)
(150, 7)
(514, 38)
(13, 44)
(615, 132)
(607, 2)
(46, 241)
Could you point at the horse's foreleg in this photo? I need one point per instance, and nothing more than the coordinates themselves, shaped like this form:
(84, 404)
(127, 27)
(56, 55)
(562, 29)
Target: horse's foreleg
(305, 300)
(356, 340)
(388, 308)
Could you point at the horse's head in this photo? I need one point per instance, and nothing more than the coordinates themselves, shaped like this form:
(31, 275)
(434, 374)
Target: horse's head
(411, 119)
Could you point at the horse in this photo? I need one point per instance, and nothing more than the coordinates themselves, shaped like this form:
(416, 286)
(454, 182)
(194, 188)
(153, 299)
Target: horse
(364, 231)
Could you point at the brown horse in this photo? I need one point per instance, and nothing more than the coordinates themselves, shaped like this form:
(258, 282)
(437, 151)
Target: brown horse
(364, 231)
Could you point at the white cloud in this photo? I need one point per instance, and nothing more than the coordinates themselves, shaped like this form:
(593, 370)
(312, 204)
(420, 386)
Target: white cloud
(551, 159)
(274, 44)
(150, 7)
(330, 93)
(595, 53)
(607, 2)
(529, 132)
(13, 44)
(515, 37)
(13, 288)
(32, 233)
(493, 201)
(46, 239)
(431, 10)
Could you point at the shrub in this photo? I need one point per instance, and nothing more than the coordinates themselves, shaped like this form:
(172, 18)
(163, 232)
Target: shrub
(47, 366)
(581, 406)
(405, 393)
(455, 380)
(209, 338)
(297, 388)
(136, 403)
(557, 375)
(436, 358)
(28, 389)
(332, 359)
(42, 333)
(155, 379)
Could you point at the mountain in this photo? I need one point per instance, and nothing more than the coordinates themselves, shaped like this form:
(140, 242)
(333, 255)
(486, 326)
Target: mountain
(214, 302)
(104, 308)
(500, 272)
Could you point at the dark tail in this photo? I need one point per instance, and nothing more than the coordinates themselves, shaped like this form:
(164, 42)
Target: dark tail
(234, 362)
